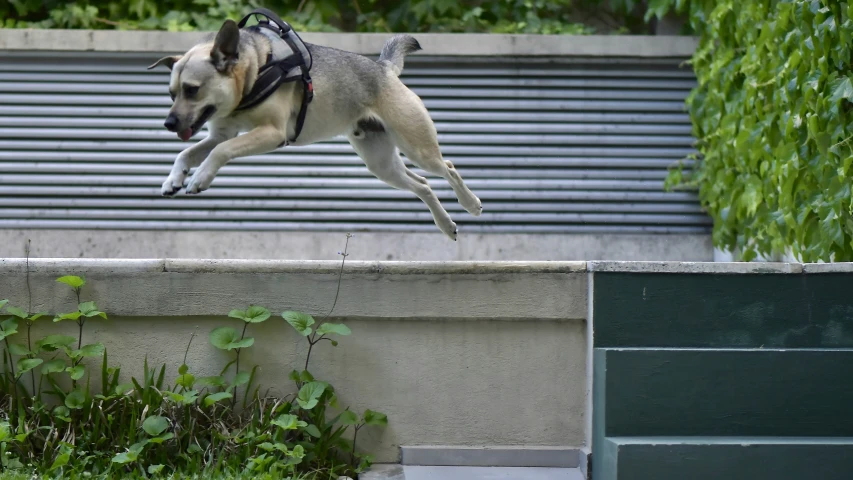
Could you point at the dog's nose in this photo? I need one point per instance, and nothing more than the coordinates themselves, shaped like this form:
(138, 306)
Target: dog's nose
(171, 123)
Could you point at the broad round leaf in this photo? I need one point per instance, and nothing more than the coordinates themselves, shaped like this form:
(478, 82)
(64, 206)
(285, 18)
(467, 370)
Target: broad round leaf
(27, 364)
(286, 422)
(3, 303)
(336, 328)
(155, 469)
(53, 366)
(93, 350)
(19, 349)
(89, 309)
(301, 322)
(75, 400)
(216, 397)
(348, 417)
(212, 382)
(309, 393)
(77, 372)
(16, 312)
(68, 316)
(256, 314)
(155, 425)
(72, 281)
(312, 430)
(9, 327)
(241, 378)
(374, 418)
(52, 342)
(223, 337)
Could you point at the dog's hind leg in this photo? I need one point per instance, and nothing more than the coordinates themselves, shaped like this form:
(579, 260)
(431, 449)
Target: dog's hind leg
(380, 155)
(411, 129)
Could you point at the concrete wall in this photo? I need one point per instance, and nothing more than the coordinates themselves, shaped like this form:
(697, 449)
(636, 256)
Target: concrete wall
(373, 246)
(454, 354)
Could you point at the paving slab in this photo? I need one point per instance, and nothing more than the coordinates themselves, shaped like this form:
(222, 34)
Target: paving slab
(411, 472)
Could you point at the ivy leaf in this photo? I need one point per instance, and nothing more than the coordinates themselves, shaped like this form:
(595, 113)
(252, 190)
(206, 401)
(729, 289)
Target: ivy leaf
(253, 314)
(309, 394)
(51, 343)
(8, 327)
(300, 321)
(842, 88)
(155, 425)
(68, 316)
(336, 328)
(93, 350)
(241, 378)
(288, 422)
(72, 281)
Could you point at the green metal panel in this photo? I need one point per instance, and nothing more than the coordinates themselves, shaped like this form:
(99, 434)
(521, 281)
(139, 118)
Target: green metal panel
(731, 459)
(679, 392)
(723, 311)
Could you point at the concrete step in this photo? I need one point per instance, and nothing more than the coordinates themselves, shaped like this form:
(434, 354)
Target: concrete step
(729, 458)
(416, 472)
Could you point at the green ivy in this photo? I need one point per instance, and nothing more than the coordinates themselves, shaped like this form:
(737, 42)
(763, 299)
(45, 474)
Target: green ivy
(772, 115)
(500, 16)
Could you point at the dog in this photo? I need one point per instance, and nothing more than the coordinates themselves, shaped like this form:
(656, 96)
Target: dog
(354, 96)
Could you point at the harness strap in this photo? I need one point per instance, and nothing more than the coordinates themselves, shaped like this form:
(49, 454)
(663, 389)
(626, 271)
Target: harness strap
(277, 72)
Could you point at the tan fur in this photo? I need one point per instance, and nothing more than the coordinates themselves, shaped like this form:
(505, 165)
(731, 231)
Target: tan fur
(224, 78)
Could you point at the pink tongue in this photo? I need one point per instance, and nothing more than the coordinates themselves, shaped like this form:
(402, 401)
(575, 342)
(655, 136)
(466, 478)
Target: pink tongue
(185, 134)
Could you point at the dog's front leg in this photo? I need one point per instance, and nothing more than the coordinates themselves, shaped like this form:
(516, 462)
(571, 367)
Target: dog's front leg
(255, 142)
(192, 157)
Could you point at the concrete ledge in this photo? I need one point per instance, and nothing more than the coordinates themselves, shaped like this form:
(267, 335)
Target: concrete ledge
(502, 456)
(695, 267)
(364, 43)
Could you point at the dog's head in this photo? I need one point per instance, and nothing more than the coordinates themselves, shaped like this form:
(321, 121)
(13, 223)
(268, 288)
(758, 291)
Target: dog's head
(203, 84)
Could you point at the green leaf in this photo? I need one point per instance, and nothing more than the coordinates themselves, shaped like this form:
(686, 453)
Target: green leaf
(60, 461)
(16, 312)
(131, 455)
(288, 422)
(241, 378)
(374, 418)
(124, 388)
(53, 342)
(93, 350)
(216, 397)
(53, 366)
(253, 314)
(76, 372)
(27, 364)
(217, 381)
(155, 425)
(336, 328)
(162, 438)
(309, 394)
(8, 327)
(348, 418)
(72, 281)
(75, 400)
(300, 321)
(89, 309)
(19, 349)
(3, 303)
(226, 338)
(313, 431)
(68, 316)
(186, 380)
(155, 469)
(842, 88)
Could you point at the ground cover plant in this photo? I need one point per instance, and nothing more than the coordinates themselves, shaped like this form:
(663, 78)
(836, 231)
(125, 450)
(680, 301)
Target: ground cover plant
(65, 411)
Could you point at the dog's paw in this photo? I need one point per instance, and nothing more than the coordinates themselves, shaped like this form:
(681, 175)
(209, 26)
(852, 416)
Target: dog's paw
(472, 206)
(199, 182)
(172, 185)
(449, 228)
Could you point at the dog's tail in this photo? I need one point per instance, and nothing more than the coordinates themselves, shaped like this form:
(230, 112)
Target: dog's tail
(395, 50)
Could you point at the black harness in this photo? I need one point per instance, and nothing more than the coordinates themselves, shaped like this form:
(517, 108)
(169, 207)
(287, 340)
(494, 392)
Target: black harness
(293, 67)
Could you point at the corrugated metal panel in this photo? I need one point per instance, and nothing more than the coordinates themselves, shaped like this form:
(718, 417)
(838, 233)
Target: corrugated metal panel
(565, 145)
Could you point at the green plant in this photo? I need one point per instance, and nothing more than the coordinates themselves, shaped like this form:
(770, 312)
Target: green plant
(500, 16)
(772, 114)
(146, 428)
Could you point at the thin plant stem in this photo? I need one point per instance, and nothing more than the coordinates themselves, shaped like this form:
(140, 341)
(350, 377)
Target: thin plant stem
(29, 310)
(237, 365)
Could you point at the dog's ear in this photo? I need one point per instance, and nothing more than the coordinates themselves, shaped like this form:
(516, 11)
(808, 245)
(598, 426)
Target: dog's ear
(224, 54)
(169, 62)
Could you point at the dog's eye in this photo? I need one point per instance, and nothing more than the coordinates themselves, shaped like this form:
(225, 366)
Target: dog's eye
(190, 91)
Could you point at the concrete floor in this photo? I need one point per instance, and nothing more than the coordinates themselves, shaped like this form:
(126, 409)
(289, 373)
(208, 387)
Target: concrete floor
(409, 472)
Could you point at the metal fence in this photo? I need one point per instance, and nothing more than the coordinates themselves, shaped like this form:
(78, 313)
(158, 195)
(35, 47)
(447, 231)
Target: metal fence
(549, 145)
